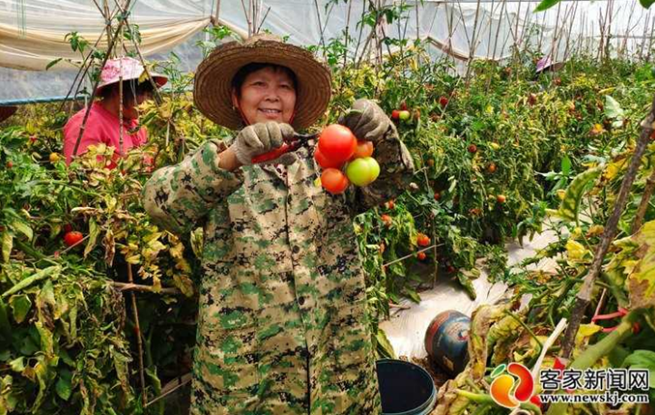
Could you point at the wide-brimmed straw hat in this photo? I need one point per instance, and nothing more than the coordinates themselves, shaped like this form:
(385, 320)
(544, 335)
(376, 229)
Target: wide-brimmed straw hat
(7, 111)
(125, 69)
(213, 82)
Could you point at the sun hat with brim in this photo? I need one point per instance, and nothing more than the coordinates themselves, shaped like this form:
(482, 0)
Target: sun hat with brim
(126, 69)
(212, 89)
(7, 111)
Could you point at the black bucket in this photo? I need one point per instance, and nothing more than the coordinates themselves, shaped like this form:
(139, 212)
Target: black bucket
(405, 388)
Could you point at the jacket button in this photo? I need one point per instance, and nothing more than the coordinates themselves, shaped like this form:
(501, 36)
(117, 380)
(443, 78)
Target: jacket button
(301, 300)
(296, 249)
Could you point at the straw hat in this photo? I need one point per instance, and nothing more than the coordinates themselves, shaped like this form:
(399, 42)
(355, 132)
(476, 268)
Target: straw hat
(125, 69)
(7, 111)
(213, 83)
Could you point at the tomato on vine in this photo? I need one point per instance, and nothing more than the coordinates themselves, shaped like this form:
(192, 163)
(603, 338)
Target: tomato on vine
(337, 143)
(334, 181)
(73, 238)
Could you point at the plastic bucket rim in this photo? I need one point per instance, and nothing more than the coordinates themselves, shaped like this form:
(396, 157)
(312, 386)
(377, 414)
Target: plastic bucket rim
(429, 403)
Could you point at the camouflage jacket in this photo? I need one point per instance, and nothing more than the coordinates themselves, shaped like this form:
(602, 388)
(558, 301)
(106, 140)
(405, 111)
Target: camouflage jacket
(282, 326)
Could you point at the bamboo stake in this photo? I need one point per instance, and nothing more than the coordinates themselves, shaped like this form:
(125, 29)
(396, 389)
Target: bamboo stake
(472, 43)
(491, 19)
(122, 286)
(347, 33)
(583, 299)
(320, 26)
(156, 93)
(171, 387)
(139, 341)
(361, 31)
(95, 86)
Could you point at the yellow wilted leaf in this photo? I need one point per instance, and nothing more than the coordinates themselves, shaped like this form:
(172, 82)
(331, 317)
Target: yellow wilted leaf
(133, 259)
(586, 331)
(576, 251)
(613, 169)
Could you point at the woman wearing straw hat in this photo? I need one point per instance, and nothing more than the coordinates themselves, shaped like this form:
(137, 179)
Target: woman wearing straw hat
(102, 125)
(282, 326)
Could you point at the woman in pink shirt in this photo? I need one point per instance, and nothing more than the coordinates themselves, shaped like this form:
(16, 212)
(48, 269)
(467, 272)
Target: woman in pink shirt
(102, 125)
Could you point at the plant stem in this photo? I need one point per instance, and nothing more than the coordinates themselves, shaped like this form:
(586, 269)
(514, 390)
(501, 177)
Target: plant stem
(585, 293)
(599, 350)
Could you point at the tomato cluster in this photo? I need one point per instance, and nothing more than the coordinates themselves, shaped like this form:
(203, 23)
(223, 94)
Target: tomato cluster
(337, 145)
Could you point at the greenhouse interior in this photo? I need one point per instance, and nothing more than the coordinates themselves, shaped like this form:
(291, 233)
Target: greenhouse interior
(416, 207)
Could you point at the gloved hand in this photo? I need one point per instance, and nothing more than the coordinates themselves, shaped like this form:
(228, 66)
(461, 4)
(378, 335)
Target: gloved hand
(368, 121)
(261, 138)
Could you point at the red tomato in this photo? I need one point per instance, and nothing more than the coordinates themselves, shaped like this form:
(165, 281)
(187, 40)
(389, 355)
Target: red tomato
(395, 114)
(334, 181)
(325, 162)
(73, 238)
(422, 239)
(337, 143)
(387, 220)
(421, 256)
(363, 149)
(501, 198)
(443, 101)
(472, 148)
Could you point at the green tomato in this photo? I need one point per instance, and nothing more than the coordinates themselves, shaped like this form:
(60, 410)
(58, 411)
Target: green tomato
(363, 171)
(404, 115)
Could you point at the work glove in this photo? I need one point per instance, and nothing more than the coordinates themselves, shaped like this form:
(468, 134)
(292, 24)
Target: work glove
(367, 121)
(261, 138)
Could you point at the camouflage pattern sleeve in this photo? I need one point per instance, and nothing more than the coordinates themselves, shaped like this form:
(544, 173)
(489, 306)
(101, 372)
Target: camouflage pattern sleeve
(177, 197)
(396, 171)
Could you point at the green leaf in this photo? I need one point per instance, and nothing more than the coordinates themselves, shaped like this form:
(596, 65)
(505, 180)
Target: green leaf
(7, 246)
(646, 3)
(566, 165)
(94, 231)
(570, 205)
(20, 306)
(412, 295)
(53, 63)
(385, 349)
(545, 5)
(642, 359)
(614, 111)
(63, 386)
(18, 364)
(612, 108)
(22, 227)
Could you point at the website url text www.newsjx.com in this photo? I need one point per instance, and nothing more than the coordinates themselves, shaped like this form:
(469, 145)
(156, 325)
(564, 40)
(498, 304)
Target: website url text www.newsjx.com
(613, 398)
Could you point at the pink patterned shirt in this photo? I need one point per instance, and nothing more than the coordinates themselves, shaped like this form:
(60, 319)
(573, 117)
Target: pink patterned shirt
(101, 127)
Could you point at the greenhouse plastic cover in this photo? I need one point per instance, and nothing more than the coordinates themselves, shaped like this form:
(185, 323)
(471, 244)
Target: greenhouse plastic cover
(32, 32)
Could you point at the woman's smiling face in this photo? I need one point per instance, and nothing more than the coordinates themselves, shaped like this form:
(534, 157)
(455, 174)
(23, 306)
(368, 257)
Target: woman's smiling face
(266, 95)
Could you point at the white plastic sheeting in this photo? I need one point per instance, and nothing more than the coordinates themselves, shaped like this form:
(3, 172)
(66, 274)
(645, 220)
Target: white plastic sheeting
(406, 327)
(32, 31)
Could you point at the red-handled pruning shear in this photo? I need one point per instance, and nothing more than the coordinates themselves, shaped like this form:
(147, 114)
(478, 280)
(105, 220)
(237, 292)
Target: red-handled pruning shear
(294, 144)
